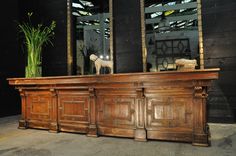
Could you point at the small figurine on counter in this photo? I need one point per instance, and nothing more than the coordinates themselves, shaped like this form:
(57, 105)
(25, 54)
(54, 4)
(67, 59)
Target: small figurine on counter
(101, 63)
(185, 64)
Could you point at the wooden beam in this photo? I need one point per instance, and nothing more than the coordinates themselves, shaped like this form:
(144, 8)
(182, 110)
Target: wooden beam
(88, 18)
(148, 21)
(172, 19)
(91, 27)
(147, 10)
(170, 7)
(92, 17)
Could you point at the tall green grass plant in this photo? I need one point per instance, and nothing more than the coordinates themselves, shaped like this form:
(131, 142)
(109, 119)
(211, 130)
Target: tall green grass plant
(35, 37)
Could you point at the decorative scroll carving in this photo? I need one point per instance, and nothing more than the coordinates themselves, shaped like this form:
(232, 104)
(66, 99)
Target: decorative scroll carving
(91, 92)
(140, 93)
(200, 92)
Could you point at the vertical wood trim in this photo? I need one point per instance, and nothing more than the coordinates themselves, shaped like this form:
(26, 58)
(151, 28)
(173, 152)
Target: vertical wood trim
(111, 33)
(53, 111)
(200, 134)
(22, 122)
(200, 34)
(92, 131)
(140, 131)
(143, 35)
(69, 38)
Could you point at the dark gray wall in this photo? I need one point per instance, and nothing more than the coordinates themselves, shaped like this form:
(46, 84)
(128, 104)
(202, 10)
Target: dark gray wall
(219, 31)
(55, 58)
(11, 58)
(44, 11)
(127, 36)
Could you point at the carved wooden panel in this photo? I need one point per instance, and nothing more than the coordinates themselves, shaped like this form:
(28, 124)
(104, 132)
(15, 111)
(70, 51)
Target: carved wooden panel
(116, 111)
(169, 111)
(73, 107)
(39, 105)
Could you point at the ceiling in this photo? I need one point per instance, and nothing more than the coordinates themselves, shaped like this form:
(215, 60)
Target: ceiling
(93, 7)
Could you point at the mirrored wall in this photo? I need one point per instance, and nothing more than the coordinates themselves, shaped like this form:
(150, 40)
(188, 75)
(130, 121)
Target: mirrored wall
(92, 33)
(171, 33)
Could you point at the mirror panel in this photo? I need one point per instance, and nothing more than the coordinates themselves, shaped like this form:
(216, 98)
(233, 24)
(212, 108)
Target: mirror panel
(92, 33)
(171, 33)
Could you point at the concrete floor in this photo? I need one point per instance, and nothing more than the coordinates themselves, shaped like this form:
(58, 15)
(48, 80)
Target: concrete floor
(30, 142)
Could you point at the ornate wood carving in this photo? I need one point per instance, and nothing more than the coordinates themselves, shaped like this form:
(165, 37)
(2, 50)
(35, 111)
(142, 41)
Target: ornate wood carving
(163, 106)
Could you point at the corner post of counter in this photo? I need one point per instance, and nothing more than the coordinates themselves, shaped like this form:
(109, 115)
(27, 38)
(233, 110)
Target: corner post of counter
(200, 128)
(92, 129)
(22, 122)
(140, 133)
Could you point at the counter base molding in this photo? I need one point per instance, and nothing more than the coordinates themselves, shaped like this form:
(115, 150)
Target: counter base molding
(162, 106)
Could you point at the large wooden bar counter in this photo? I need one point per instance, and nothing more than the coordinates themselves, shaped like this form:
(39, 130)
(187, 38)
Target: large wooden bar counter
(164, 106)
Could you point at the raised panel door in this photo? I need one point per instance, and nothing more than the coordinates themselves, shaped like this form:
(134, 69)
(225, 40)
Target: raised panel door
(73, 108)
(116, 112)
(39, 105)
(169, 112)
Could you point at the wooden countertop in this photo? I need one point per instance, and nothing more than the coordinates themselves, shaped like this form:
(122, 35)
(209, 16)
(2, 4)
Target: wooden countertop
(123, 77)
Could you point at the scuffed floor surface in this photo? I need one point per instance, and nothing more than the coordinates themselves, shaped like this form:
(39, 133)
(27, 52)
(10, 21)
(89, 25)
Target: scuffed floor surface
(30, 142)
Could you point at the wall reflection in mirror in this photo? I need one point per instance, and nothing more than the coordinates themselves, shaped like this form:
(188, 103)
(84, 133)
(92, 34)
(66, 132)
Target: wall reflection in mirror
(171, 33)
(92, 33)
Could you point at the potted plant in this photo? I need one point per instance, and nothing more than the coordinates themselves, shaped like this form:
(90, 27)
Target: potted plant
(35, 37)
